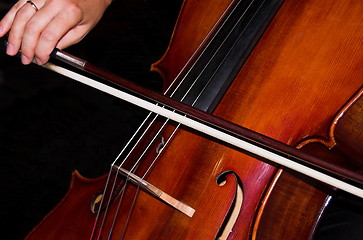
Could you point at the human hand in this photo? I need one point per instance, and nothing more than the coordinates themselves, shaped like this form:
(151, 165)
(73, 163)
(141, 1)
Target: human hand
(37, 27)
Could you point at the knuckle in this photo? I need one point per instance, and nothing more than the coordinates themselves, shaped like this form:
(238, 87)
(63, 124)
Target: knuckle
(21, 12)
(32, 27)
(49, 36)
(74, 11)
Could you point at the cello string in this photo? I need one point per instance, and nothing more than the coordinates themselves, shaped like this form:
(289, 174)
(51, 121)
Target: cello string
(208, 63)
(133, 136)
(192, 56)
(212, 30)
(219, 48)
(94, 228)
(129, 213)
(138, 189)
(196, 99)
(210, 41)
(136, 193)
(183, 79)
(127, 177)
(109, 175)
(162, 149)
(114, 182)
(220, 27)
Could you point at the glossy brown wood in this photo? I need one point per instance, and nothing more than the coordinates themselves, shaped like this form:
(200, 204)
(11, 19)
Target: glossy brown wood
(348, 131)
(66, 219)
(292, 209)
(303, 71)
(319, 69)
(194, 27)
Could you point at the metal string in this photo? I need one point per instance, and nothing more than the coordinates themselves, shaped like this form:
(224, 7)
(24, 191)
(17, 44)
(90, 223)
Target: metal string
(162, 127)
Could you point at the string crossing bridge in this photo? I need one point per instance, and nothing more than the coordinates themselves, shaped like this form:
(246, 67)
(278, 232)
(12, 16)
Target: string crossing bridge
(155, 192)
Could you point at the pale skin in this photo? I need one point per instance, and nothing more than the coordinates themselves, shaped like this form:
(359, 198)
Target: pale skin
(57, 24)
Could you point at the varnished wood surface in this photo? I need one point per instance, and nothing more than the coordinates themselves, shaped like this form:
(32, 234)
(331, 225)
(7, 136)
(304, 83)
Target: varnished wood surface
(305, 68)
(310, 61)
(348, 131)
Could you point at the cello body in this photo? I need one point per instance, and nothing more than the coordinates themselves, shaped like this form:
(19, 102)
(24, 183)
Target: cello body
(305, 68)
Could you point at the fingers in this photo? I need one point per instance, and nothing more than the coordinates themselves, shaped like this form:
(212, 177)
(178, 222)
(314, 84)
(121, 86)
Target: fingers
(25, 31)
(16, 19)
(36, 33)
(57, 23)
(43, 32)
(30, 34)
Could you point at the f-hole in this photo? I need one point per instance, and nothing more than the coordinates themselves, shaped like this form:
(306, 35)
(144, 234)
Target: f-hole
(235, 209)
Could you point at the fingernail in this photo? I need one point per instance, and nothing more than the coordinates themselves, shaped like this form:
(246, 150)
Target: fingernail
(10, 49)
(38, 61)
(25, 60)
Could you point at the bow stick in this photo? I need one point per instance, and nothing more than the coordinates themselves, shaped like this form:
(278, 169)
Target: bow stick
(254, 144)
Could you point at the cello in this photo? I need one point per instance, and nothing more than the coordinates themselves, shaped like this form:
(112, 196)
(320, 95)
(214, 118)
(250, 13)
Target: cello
(195, 173)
